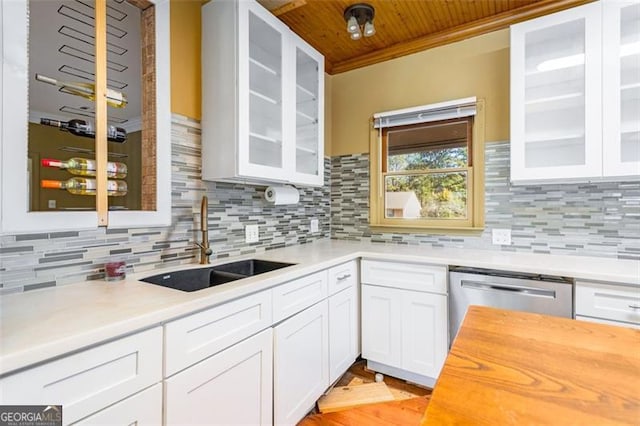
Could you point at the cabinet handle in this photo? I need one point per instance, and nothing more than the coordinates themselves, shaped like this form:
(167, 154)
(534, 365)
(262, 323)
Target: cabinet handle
(634, 306)
(344, 277)
(520, 289)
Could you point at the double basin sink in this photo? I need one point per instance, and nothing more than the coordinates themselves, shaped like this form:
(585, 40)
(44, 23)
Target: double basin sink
(201, 278)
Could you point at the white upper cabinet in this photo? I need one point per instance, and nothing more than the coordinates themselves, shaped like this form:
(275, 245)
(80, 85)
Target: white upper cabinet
(621, 88)
(571, 117)
(556, 96)
(309, 105)
(262, 98)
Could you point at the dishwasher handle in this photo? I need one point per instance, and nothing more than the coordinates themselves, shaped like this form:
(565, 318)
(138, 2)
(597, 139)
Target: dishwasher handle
(518, 289)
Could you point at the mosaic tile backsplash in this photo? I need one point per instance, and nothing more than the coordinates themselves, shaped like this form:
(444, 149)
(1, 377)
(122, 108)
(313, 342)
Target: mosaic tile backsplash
(31, 261)
(589, 219)
(600, 219)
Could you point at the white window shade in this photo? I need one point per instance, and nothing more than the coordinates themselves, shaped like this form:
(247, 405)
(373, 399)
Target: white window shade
(423, 114)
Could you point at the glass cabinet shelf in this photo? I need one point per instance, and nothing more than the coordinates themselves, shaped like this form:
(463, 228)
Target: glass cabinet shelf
(554, 137)
(305, 94)
(262, 66)
(264, 138)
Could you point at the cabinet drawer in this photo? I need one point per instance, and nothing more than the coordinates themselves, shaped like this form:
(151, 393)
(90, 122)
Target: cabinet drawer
(194, 338)
(343, 276)
(609, 302)
(409, 276)
(88, 381)
(141, 409)
(296, 295)
(608, 322)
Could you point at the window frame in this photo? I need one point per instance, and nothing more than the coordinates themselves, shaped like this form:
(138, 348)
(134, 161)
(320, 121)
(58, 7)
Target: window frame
(474, 223)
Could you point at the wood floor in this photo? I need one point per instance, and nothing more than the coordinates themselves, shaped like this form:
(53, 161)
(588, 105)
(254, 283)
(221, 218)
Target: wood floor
(408, 408)
(406, 412)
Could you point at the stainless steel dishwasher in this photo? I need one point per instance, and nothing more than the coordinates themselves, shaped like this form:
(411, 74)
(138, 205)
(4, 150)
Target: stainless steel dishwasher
(544, 294)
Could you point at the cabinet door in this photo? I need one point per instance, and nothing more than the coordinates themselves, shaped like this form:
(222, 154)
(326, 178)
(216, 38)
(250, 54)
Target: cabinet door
(88, 381)
(308, 140)
(233, 387)
(141, 409)
(300, 364)
(621, 88)
(343, 332)
(262, 71)
(382, 325)
(424, 332)
(556, 80)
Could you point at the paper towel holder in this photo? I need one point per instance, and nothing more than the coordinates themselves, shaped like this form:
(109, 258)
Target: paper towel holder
(283, 194)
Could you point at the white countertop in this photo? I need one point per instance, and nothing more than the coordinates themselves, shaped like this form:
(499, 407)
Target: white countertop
(42, 324)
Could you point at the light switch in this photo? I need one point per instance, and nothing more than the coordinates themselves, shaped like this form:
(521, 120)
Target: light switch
(314, 225)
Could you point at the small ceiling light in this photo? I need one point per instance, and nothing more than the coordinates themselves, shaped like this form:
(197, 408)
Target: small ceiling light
(352, 25)
(369, 29)
(359, 18)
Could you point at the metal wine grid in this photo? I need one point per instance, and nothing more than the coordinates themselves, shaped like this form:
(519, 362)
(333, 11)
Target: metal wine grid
(62, 46)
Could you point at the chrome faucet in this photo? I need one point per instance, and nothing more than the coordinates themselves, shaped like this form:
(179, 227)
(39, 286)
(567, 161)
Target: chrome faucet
(205, 250)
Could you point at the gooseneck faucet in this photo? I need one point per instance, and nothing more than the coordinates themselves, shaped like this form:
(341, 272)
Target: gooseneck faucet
(205, 249)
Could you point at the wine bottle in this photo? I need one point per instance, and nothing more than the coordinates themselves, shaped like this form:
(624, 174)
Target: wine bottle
(83, 186)
(86, 90)
(82, 128)
(86, 167)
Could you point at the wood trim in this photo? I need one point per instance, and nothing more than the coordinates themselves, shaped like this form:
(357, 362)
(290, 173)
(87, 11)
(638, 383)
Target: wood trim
(477, 153)
(288, 7)
(102, 200)
(140, 4)
(149, 107)
(475, 190)
(471, 29)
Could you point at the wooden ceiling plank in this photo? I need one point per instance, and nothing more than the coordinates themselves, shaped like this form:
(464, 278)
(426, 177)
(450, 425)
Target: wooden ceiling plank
(471, 29)
(445, 19)
(427, 16)
(288, 7)
(462, 12)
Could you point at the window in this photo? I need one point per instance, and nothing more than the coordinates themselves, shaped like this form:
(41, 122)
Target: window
(427, 167)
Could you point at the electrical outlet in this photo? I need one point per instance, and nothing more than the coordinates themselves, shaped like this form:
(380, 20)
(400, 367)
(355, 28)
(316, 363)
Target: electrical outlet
(251, 234)
(315, 227)
(501, 237)
(52, 204)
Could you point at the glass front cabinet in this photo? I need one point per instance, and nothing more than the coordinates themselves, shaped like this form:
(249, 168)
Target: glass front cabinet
(69, 162)
(262, 91)
(575, 95)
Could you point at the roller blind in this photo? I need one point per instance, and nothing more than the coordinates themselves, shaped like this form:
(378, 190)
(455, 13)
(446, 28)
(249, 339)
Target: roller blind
(458, 108)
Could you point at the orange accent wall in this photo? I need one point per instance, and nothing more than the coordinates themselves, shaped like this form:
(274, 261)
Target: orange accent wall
(185, 57)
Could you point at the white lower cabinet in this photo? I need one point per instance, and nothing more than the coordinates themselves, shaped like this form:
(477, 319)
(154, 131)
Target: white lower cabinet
(424, 332)
(233, 387)
(382, 324)
(608, 303)
(301, 364)
(404, 330)
(404, 319)
(343, 331)
(141, 409)
(93, 379)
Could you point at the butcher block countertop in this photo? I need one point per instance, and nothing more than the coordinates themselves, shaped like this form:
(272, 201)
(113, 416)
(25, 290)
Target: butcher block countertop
(516, 368)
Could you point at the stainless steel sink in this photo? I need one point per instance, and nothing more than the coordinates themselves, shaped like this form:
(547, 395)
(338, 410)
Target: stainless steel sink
(197, 279)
